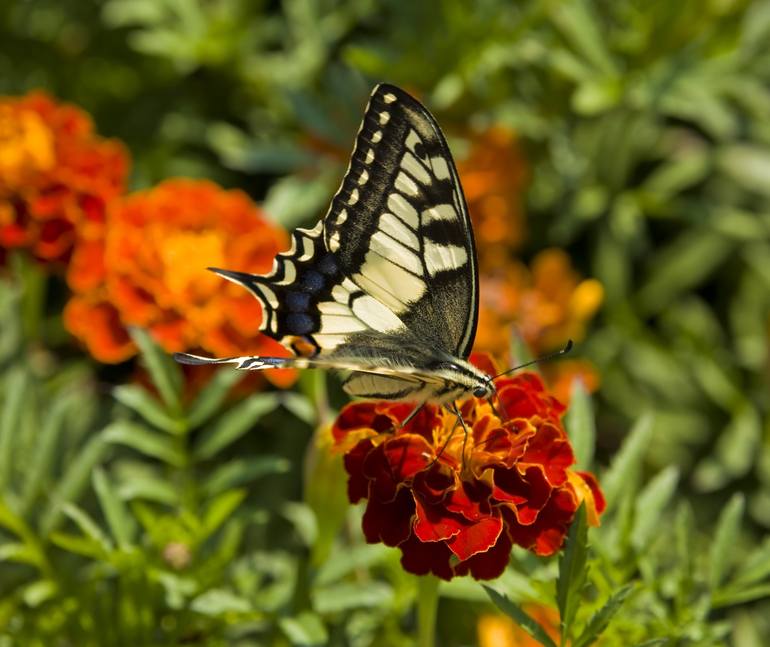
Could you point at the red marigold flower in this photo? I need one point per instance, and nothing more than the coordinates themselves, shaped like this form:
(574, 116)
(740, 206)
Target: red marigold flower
(57, 177)
(456, 504)
(150, 271)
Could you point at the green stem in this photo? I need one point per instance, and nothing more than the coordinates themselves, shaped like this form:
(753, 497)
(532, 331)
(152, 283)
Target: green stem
(33, 280)
(427, 607)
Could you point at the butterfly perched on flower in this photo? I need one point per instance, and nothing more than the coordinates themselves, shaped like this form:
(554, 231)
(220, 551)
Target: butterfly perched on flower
(386, 284)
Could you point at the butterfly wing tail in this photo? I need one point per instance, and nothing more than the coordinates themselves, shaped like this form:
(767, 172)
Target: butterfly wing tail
(249, 363)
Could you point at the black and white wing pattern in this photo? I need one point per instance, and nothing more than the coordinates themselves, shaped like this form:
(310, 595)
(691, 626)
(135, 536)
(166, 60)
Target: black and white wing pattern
(386, 283)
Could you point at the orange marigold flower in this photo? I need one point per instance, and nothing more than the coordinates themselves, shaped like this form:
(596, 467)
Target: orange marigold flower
(151, 272)
(500, 631)
(57, 177)
(455, 505)
(493, 176)
(547, 304)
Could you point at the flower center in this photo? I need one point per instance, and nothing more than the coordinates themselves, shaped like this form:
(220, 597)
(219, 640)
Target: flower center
(185, 255)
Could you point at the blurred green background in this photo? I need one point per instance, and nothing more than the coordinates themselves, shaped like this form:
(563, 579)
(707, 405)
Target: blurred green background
(645, 127)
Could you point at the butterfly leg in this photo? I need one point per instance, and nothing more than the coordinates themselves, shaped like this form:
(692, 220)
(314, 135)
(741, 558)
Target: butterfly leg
(458, 422)
(411, 415)
(494, 409)
(453, 408)
(446, 442)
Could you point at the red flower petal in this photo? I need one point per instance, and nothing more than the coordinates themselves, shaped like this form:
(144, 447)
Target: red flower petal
(488, 565)
(393, 462)
(358, 484)
(476, 538)
(422, 558)
(528, 492)
(390, 523)
(551, 449)
(599, 500)
(433, 523)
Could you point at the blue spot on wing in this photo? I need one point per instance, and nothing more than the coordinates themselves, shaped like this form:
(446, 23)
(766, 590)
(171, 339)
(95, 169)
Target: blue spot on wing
(299, 324)
(312, 281)
(297, 301)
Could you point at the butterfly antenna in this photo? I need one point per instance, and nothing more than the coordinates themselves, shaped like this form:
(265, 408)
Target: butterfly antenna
(567, 348)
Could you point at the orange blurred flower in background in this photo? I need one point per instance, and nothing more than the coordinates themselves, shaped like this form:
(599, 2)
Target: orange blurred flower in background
(150, 271)
(493, 177)
(546, 304)
(495, 630)
(57, 177)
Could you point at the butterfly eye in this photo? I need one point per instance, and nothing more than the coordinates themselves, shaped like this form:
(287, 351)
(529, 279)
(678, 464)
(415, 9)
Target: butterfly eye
(480, 392)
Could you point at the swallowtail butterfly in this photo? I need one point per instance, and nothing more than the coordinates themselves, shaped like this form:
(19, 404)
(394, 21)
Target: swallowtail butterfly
(386, 284)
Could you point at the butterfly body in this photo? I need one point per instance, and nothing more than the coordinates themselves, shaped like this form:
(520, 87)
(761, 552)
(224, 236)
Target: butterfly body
(386, 284)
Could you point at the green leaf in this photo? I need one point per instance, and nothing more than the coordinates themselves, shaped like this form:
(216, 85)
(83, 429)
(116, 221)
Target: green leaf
(730, 597)
(748, 165)
(87, 526)
(73, 482)
(220, 509)
(217, 602)
(121, 524)
(293, 199)
(37, 472)
(346, 596)
(13, 401)
(353, 558)
(302, 518)
(680, 266)
(10, 520)
(243, 470)
(142, 481)
(212, 396)
(234, 424)
(626, 464)
(301, 406)
(145, 441)
(740, 440)
(304, 630)
(78, 544)
(651, 503)
(20, 553)
(755, 567)
(572, 572)
(140, 400)
(39, 592)
(725, 540)
(520, 617)
(580, 425)
(599, 620)
(164, 371)
(583, 30)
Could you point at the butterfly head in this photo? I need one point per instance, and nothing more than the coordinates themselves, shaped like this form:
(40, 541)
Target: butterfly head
(484, 387)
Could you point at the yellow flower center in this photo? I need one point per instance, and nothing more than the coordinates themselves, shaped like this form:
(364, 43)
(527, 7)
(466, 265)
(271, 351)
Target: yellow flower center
(26, 146)
(185, 256)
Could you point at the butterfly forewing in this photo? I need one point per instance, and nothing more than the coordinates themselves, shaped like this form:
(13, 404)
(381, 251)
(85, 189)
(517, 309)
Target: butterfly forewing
(385, 285)
(400, 227)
